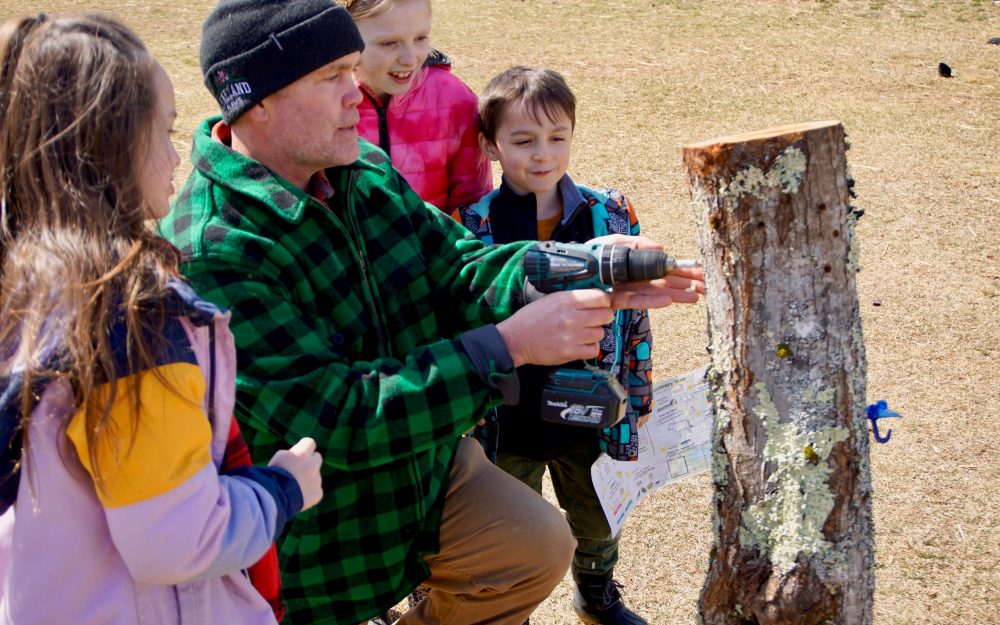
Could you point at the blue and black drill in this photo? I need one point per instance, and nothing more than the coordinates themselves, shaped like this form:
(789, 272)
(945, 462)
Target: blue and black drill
(589, 396)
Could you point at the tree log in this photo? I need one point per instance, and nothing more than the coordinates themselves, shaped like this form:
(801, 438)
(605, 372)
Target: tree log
(792, 485)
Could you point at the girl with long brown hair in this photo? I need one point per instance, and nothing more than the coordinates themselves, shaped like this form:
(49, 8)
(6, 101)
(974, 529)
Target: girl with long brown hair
(116, 380)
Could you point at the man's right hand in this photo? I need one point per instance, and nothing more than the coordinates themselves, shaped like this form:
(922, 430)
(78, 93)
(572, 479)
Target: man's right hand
(558, 328)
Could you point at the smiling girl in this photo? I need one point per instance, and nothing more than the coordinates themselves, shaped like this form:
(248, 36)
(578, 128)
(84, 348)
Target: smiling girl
(414, 108)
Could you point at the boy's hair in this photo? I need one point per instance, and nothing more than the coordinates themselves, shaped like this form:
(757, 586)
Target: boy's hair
(537, 90)
(363, 9)
(77, 100)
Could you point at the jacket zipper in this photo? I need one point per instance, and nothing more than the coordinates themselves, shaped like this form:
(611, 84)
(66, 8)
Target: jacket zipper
(383, 120)
(369, 291)
(211, 373)
(384, 350)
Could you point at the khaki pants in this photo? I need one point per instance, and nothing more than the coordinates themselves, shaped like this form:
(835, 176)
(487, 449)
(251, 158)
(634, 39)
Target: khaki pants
(503, 549)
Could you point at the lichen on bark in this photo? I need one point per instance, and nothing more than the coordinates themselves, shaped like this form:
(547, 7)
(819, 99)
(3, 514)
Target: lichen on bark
(789, 520)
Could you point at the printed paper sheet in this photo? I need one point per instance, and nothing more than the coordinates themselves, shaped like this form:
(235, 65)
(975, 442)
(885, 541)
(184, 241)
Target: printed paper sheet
(675, 443)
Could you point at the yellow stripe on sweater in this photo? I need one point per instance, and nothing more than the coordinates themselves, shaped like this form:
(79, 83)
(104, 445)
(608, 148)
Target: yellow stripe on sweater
(172, 436)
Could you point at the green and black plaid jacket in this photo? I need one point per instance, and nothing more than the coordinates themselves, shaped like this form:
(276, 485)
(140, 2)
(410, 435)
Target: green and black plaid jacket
(353, 327)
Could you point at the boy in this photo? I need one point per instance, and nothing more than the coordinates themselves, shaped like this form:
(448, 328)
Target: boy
(527, 121)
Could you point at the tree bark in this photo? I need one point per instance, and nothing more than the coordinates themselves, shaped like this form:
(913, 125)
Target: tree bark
(792, 485)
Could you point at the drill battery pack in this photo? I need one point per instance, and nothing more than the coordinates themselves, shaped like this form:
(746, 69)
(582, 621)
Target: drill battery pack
(589, 397)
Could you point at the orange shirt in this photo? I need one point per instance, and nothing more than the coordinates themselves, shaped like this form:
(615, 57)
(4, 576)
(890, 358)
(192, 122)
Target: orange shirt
(547, 226)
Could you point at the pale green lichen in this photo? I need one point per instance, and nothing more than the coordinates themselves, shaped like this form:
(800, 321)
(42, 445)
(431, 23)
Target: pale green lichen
(857, 348)
(789, 520)
(722, 355)
(788, 169)
(821, 396)
(785, 172)
(720, 463)
(825, 396)
(749, 181)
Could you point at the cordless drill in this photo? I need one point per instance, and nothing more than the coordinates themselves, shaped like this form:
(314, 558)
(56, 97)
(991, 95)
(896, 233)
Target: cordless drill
(591, 396)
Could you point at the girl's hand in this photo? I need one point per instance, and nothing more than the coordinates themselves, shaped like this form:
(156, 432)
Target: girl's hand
(303, 462)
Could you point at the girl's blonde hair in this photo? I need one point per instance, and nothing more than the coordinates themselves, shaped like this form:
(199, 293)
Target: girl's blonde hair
(76, 107)
(363, 9)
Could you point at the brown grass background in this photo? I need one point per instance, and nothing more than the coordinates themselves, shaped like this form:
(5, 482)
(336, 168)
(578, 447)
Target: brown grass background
(653, 75)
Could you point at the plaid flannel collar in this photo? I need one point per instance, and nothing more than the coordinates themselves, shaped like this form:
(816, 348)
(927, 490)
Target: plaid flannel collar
(226, 167)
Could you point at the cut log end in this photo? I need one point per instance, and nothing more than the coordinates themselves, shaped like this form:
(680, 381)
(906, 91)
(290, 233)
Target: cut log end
(717, 157)
(767, 133)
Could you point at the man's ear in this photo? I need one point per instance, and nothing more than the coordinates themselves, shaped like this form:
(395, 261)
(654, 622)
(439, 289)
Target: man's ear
(260, 112)
(489, 148)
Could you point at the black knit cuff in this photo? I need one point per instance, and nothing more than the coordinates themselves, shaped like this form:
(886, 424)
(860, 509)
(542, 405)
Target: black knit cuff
(493, 361)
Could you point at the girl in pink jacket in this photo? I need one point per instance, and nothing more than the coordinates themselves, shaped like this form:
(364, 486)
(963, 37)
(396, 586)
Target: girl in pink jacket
(414, 108)
(117, 382)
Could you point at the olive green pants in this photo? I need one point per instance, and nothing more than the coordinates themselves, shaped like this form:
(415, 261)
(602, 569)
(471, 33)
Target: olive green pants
(596, 550)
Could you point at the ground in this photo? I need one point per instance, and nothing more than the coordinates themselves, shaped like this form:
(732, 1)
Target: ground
(653, 75)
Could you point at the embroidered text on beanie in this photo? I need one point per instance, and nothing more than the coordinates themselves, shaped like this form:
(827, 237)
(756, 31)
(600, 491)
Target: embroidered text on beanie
(252, 48)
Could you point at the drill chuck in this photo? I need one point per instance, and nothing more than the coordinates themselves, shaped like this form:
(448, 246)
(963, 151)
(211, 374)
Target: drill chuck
(554, 266)
(628, 265)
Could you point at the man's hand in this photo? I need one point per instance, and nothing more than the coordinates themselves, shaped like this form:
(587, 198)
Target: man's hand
(558, 328)
(303, 462)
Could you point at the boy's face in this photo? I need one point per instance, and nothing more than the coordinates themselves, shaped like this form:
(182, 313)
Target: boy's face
(533, 150)
(397, 43)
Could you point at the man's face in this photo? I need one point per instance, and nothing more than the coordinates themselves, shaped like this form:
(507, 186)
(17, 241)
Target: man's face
(314, 120)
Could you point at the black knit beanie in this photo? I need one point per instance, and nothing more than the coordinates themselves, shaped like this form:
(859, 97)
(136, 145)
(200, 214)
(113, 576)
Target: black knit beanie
(252, 48)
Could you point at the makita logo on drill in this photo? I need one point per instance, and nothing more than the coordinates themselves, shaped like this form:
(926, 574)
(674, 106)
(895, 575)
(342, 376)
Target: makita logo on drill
(557, 404)
(582, 414)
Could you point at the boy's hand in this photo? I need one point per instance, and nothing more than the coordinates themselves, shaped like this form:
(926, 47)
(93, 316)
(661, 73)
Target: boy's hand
(682, 286)
(303, 462)
(558, 328)
(635, 242)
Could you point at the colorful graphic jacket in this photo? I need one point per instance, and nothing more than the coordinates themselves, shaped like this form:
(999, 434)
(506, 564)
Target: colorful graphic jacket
(431, 134)
(365, 323)
(503, 216)
(166, 539)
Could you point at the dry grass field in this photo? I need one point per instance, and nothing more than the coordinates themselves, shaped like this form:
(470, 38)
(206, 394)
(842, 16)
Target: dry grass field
(652, 75)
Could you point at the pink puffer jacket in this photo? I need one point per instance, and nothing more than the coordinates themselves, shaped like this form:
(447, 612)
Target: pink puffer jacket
(433, 138)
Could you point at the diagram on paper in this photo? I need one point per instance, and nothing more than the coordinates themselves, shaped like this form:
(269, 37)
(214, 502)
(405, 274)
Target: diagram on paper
(675, 444)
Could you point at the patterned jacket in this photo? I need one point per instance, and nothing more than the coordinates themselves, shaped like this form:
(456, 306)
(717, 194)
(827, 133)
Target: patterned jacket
(504, 216)
(357, 325)
(165, 540)
(431, 133)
